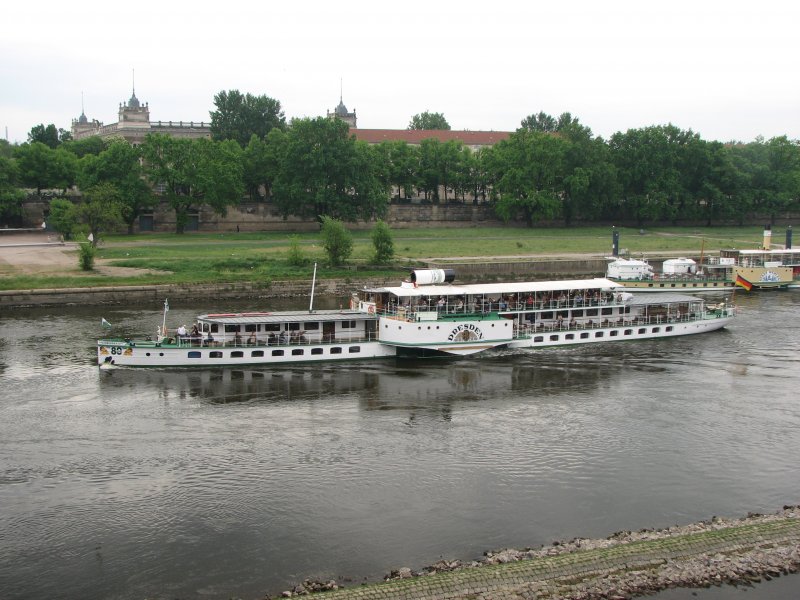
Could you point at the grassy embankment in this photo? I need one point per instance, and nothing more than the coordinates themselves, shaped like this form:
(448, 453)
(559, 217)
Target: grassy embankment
(195, 258)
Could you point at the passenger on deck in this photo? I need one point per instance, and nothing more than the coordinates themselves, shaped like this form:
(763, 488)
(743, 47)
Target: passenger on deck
(251, 341)
(181, 331)
(237, 339)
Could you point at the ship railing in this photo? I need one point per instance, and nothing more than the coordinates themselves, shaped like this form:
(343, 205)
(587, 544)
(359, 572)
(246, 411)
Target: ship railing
(277, 341)
(526, 330)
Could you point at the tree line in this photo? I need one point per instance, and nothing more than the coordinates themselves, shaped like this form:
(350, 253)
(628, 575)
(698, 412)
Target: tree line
(549, 169)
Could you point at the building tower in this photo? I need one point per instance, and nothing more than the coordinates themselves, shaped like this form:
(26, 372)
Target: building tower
(340, 112)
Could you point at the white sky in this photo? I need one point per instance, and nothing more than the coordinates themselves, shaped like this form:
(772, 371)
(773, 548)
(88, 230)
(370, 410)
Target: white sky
(728, 70)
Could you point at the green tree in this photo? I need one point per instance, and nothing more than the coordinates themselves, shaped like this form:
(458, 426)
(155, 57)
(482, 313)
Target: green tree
(100, 210)
(325, 172)
(529, 171)
(120, 165)
(382, 242)
(41, 167)
(336, 240)
(428, 120)
(240, 116)
(11, 197)
(45, 134)
(400, 160)
(63, 217)
(541, 122)
(92, 144)
(651, 163)
(261, 162)
(194, 173)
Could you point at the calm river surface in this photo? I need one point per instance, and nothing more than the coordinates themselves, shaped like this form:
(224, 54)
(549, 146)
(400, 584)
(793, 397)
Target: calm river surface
(236, 483)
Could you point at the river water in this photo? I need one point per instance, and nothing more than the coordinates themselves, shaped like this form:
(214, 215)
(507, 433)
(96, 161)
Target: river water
(214, 484)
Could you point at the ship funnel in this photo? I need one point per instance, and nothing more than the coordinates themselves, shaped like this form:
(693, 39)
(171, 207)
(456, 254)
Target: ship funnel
(614, 242)
(767, 237)
(789, 237)
(432, 276)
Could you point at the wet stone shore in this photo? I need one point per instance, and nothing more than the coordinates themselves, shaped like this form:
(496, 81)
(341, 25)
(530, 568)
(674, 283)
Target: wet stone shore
(625, 565)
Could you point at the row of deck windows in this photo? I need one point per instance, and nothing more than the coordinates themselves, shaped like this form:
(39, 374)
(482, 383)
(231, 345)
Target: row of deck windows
(598, 334)
(267, 327)
(261, 353)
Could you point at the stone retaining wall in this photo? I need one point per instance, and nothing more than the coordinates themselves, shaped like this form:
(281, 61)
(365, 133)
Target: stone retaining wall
(625, 565)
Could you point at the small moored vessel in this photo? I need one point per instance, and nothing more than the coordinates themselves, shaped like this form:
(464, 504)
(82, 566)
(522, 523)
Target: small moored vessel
(425, 315)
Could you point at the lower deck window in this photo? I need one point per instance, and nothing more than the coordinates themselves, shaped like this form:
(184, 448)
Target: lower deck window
(354, 349)
(585, 335)
(336, 350)
(642, 330)
(316, 351)
(194, 354)
(297, 352)
(629, 332)
(215, 354)
(598, 334)
(237, 354)
(257, 353)
(655, 329)
(277, 353)
(538, 338)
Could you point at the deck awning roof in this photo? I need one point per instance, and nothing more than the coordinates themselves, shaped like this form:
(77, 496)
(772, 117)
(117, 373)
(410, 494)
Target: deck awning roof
(498, 289)
(284, 316)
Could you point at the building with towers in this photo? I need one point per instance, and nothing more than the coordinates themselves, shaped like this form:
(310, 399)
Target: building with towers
(134, 124)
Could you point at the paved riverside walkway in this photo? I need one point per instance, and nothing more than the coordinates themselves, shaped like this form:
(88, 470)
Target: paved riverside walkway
(623, 566)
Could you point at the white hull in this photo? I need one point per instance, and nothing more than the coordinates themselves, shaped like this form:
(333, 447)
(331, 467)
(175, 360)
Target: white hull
(568, 337)
(120, 354)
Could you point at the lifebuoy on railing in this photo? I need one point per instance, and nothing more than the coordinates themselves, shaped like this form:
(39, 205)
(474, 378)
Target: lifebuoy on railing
(371, 309)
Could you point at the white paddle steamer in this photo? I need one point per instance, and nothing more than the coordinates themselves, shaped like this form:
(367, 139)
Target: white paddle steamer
(424, 316)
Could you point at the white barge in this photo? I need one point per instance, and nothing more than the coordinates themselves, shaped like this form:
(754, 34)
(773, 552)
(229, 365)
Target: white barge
(424, 316)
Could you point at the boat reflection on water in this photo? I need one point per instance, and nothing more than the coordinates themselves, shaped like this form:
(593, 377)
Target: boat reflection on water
(388, 384)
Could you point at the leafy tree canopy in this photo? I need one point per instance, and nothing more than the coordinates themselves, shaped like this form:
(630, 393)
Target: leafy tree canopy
(194, 172)
(239, 116)
(47, 135)
(324, 172)
(428, 120)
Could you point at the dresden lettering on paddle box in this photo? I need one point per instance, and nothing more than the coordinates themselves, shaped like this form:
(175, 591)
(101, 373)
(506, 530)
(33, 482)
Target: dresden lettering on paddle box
(475, 332)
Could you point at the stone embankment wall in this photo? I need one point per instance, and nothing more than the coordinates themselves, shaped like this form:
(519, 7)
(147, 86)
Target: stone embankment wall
(466, 272)
(132, 295)
(626, 564)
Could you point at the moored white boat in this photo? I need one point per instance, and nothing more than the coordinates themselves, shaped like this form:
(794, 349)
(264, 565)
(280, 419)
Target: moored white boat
(426, 315)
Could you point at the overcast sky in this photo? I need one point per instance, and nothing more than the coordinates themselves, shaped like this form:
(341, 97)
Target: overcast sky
(728, 70)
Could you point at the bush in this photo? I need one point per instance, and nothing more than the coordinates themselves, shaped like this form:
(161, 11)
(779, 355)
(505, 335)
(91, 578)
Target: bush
(86, 256)
(295, 257)
(383, 243)
(337, 241)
